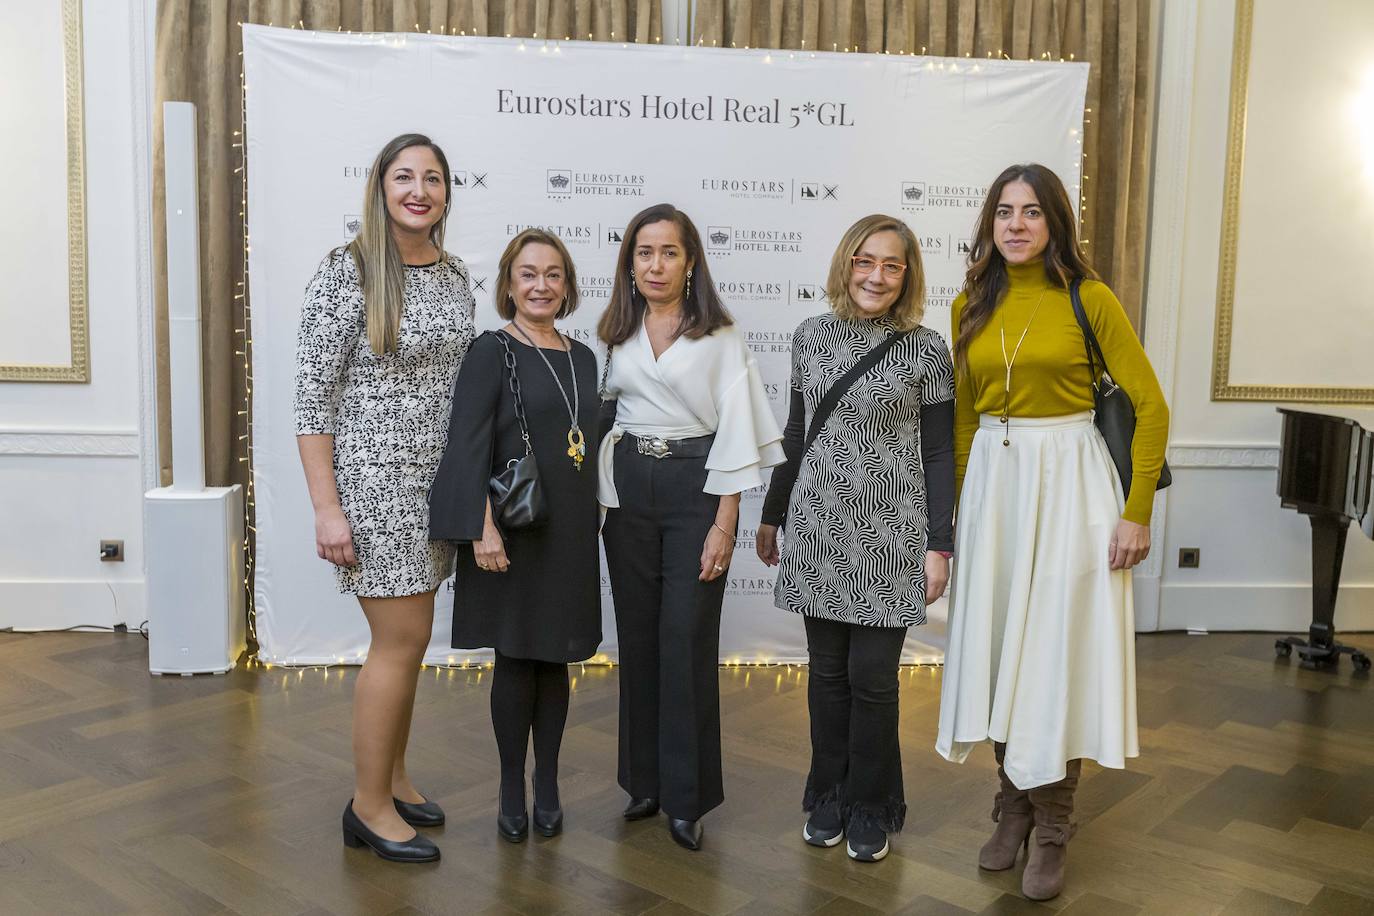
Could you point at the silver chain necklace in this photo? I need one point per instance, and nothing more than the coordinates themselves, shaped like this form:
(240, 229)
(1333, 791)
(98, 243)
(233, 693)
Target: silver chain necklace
(577, 443)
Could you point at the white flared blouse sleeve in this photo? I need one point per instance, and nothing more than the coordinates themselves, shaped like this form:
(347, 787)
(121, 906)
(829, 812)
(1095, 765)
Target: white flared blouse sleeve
(748, 441)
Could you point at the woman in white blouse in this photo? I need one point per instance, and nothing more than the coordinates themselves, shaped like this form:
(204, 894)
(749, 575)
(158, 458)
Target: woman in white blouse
(692, 430)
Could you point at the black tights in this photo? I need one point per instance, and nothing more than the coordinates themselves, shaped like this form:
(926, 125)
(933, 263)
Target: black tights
(528, 695)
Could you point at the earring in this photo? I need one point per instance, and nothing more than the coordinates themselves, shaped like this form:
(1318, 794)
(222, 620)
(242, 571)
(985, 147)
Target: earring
(687, 294)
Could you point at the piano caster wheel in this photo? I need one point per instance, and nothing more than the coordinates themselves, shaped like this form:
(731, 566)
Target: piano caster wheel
(1283, 649)
(1361, 661)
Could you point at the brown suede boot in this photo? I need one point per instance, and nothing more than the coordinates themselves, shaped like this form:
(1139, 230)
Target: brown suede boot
(1053, 807)
(1011, 811)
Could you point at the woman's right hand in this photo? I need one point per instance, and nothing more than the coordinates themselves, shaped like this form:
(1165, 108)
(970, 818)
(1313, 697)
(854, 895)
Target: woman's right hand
(490, 552)
(334, 537)
(766, 544)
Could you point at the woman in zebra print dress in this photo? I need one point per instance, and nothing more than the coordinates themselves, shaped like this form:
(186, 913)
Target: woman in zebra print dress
(869, 515)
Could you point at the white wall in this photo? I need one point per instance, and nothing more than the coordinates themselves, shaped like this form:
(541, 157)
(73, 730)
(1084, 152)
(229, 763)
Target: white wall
(1256, 557)
(75, 459)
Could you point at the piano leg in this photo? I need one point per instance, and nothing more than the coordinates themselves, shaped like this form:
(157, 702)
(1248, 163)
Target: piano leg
(1320, 649)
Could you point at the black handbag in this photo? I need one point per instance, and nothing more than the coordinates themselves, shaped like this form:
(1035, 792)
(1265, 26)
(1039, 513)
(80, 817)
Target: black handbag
(517, 497)
(1113, 411)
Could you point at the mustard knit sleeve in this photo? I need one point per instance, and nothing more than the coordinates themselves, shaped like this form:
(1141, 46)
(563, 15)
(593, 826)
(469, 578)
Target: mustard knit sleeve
(965, 415)
(1131, 369)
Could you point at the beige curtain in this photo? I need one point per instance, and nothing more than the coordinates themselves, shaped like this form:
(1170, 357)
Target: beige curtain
(1111, 35)
(198, 60)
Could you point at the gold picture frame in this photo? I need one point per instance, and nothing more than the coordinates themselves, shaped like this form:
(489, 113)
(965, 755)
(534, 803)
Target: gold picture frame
(1222, 388)
(79, 369)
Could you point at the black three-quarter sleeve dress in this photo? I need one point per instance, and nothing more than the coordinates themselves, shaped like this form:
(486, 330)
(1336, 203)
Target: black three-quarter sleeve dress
(548, 605)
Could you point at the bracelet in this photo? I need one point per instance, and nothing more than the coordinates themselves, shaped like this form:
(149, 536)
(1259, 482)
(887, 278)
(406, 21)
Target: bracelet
(724, 532)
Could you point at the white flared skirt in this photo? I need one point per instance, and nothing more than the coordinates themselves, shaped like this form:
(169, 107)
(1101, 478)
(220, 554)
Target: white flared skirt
(1041, 629)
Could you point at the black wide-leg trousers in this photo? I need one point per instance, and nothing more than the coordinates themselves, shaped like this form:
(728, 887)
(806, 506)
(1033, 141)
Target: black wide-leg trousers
(668, 622)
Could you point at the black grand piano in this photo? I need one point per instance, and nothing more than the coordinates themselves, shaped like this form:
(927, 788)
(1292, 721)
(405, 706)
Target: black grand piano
(1326, 471)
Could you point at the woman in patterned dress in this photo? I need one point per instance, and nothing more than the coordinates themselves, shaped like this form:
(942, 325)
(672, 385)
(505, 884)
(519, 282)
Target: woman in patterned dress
(386, 322)
(868, 509)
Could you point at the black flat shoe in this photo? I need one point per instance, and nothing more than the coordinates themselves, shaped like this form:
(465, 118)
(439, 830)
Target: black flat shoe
(356, 834)
(686, 834)
(640, 808)
(548, 823)
(513, 828)
(425, 814)
(867, 844)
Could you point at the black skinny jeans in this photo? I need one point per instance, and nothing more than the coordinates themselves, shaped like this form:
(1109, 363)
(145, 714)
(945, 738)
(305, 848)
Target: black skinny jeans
(856, 758)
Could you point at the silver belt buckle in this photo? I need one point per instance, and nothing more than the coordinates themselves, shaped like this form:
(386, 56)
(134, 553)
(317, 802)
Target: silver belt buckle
(654, 448)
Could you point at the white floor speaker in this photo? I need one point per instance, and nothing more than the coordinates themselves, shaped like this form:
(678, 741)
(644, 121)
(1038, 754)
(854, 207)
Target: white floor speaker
(196, 594)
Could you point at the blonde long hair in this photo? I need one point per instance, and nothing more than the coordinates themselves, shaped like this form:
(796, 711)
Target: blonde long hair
(380, 268)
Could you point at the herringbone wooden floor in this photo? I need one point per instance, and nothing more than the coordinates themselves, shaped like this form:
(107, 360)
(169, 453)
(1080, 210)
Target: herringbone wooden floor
(123, 793)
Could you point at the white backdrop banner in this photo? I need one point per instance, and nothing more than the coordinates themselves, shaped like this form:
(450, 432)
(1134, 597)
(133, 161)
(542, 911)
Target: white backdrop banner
(772, 153)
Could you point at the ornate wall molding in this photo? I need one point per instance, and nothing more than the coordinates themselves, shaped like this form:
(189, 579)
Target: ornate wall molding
(1240, 457)
(71, 443)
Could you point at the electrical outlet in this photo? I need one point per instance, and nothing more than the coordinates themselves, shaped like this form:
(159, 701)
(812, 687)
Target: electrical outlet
(1189, 557)
(112, 551)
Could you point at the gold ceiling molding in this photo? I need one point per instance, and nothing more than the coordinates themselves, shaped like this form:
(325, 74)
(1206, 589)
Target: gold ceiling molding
(1222, 388)
(79, 369)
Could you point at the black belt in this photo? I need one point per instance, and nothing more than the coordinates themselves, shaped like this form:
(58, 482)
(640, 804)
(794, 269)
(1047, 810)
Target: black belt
(657, 447)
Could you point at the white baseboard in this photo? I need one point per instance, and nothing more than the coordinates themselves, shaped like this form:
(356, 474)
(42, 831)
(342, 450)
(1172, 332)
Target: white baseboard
(56, 604)
(1146, 603)
(1275, 608)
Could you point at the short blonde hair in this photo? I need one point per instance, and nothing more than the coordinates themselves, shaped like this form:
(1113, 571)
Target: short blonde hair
(910, 307)
(505, 307)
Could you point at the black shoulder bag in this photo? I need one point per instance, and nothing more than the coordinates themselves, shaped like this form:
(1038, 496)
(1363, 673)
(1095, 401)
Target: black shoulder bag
(1113, 411)
(517, 498)
(842, 385)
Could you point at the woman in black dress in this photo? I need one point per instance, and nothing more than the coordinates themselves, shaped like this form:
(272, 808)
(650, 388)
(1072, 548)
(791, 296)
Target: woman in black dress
(532, 594)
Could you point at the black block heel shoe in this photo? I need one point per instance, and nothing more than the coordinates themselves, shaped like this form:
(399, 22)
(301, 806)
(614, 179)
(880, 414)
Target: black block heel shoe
(548, 823)
(356, 834)
(513, 828)
(425, 814)
(640, 808)
(686, 834)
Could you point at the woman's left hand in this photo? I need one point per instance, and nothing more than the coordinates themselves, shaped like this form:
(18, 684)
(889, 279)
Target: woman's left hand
(1130, 544)
(937, 576)
(716, 554)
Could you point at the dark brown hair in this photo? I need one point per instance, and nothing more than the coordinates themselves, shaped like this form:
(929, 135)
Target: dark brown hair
(505, 306)
(702, 310)
(986, 281)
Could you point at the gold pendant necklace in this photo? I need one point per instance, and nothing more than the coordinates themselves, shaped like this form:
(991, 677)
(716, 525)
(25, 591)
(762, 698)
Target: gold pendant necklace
(577, 443)
(1010, 361)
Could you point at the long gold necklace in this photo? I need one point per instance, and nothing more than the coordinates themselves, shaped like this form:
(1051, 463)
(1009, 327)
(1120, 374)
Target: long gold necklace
(1010, 361)
(577, 444)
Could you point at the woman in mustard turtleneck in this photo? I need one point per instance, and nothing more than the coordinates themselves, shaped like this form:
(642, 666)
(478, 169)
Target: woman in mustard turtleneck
(1041, 631)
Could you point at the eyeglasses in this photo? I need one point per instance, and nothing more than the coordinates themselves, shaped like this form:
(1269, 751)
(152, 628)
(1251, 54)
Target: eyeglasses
(891, 269)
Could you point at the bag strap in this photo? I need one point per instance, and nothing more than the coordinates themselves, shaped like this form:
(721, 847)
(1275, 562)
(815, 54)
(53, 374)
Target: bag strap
(1090, 344)
(845, 382)
(514, 381)
(606, 371)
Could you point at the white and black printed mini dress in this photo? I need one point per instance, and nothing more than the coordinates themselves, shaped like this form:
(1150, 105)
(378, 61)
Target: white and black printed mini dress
(388, 415)
(860, 516)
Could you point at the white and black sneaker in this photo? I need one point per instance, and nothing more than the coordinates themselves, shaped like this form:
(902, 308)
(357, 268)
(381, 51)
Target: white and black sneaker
(824, 828)
(867, 843)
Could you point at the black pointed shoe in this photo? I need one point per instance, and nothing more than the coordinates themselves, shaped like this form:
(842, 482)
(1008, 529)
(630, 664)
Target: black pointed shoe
(425, 814)
(686, 834)
(640, 808)
(548, 823)
(356, 834)
(513, 828)
(824, 828)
